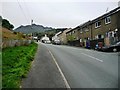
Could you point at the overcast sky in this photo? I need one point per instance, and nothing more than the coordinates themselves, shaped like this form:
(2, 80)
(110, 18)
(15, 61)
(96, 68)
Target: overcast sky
(57, 13)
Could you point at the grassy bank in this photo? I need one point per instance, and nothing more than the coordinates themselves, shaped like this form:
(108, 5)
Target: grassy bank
(16, 63)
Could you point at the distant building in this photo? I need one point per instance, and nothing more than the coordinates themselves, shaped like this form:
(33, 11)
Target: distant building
(45, 39)
(56, 38)
(63, 36)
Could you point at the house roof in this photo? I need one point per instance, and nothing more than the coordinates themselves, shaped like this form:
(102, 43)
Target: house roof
(80, 26)
(94, 20)
(58, 33)
(107, 14)
(85, 24)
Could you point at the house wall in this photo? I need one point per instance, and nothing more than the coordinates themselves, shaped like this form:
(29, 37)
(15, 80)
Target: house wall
(105, 27)
(102, 30)
(63, 36)
(76, 34)
(87, 34)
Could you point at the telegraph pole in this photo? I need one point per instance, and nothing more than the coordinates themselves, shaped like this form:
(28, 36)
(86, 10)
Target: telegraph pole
(31, 21)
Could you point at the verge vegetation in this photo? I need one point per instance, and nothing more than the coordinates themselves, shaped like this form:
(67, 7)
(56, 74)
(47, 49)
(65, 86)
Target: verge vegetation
(16, 62)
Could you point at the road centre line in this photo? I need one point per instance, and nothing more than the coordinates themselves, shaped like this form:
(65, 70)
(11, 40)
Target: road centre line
(92, 57)
(64, 79)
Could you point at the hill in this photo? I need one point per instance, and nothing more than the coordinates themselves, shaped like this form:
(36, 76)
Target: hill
(32, 29)
(8, 34)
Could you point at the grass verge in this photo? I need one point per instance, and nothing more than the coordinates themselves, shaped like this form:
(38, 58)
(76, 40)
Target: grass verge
(16, 62)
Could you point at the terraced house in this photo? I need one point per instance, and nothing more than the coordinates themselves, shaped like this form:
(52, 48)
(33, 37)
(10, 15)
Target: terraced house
(85, 33)
(105, 28)
(73, 36)
(63, 37)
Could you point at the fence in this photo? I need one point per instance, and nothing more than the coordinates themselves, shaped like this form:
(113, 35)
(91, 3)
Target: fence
(94, 42)
(83, 44)
(13, 43)
(74, 43)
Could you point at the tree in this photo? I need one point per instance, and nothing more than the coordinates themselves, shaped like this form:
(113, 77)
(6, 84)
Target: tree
(6, 24)
(11, 27)
(70, 37)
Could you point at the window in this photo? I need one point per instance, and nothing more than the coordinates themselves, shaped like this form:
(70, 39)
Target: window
(97, 24)
(107, 20)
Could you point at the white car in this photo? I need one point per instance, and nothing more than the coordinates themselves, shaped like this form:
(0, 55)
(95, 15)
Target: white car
(48, 42)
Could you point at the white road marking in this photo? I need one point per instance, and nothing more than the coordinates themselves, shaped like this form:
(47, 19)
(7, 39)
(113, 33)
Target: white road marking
(92, 57)
(66, 83)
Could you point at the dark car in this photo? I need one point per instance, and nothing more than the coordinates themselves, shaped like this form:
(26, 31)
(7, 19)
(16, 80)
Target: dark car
(112, 48)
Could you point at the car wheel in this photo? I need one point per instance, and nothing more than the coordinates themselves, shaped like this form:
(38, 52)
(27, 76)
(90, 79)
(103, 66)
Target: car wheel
(114, 50)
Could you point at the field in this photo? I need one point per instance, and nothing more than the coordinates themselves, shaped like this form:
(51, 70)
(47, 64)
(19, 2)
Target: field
(16, 62)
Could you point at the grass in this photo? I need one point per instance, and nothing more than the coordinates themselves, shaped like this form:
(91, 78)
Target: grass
(6, 34)
(16, 62)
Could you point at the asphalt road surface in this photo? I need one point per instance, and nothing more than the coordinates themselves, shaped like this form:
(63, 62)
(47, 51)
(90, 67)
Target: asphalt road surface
(44, 72)
(85, 68)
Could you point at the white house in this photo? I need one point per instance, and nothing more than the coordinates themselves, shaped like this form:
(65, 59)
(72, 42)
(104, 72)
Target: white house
(45, 39)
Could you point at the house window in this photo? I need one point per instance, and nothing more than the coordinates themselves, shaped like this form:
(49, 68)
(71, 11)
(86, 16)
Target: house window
(107, 20)
(97, 24)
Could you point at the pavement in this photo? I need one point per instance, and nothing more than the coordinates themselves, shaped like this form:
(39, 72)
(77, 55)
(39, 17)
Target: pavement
(44, 72)
(81, 68)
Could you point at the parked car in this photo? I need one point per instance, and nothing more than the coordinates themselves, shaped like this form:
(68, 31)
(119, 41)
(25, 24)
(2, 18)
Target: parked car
(48, 42)
(112, 48)
(56, 42)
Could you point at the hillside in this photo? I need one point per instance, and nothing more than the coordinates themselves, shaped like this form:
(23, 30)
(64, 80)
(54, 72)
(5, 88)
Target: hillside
(7, 34)
(32, 29)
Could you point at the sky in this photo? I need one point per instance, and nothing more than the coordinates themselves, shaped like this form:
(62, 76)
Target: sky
(54, 13)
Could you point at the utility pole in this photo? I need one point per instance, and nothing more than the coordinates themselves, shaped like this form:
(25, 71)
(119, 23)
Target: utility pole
(31, 21)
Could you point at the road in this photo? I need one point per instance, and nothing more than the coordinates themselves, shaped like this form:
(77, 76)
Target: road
(85, 68)
(44, 72)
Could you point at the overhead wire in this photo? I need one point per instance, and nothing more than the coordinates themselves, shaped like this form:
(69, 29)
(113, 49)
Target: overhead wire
(28, 11)
(22, 10)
